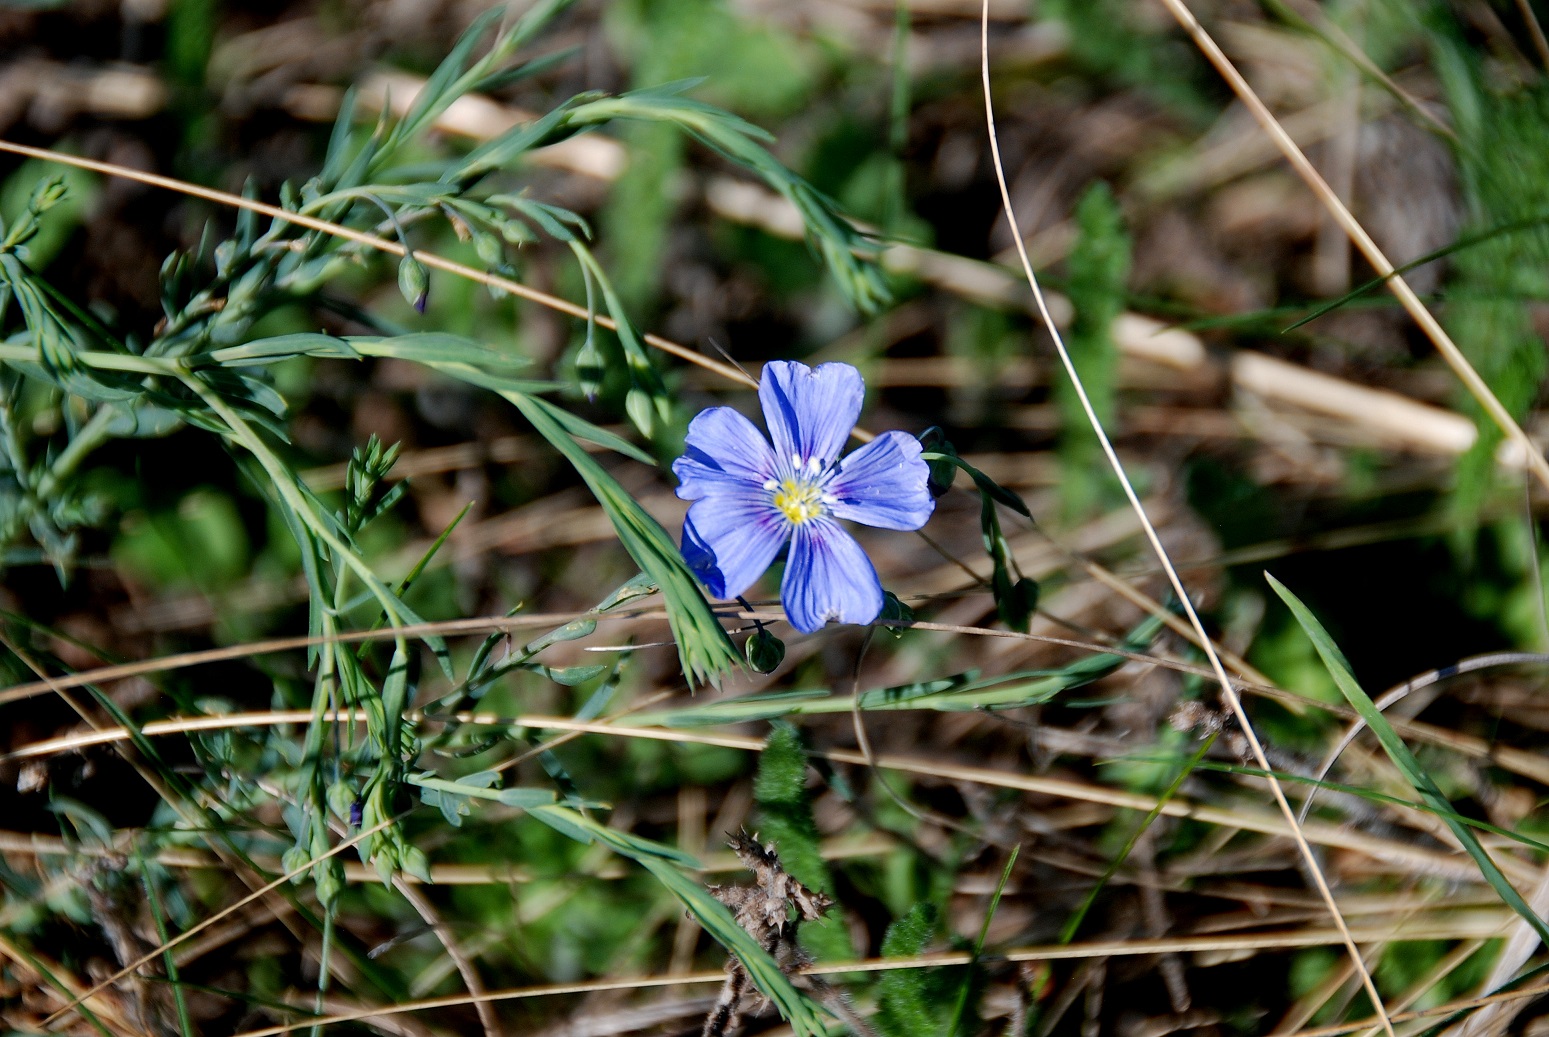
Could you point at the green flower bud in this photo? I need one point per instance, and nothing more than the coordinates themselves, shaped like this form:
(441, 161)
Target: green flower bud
(765, 651)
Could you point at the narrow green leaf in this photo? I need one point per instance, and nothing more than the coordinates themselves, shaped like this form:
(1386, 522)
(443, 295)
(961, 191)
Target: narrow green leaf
(571, 631)
(280, 347)
(905, 1005)
(526, 798)
(438, 94)
(1403, 758)
(704, 648)
(667, 865)
(967, 988)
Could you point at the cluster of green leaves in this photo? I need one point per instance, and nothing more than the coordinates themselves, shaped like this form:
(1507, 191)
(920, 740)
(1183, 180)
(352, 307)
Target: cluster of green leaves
(1016, 595)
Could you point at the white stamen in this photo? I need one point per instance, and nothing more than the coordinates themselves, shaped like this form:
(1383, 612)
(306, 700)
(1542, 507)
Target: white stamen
(796, 461)
(770, 484)
(814, 466)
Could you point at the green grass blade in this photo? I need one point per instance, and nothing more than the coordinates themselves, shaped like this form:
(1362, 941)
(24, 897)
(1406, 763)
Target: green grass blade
(1403, 759)
(966, 987)
(1069, 932)
(168, 959)
(1371, 795)
(667, 864)
(704, 648)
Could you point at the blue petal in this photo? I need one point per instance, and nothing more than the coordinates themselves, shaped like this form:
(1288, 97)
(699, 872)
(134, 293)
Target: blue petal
(884, 483)
(828, 577)
(729, 540)
(810, 412)
(723, 453)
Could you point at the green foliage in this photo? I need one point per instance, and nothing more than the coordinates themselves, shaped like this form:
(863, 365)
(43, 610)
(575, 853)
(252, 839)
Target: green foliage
(1098, 270)
(1016, 596)
(1503, 167)
(908, 1005)
(785, 811)
(208, 369)
(238, 352)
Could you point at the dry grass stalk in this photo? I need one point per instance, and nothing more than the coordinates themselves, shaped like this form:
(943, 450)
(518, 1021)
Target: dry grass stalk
(1228, 693)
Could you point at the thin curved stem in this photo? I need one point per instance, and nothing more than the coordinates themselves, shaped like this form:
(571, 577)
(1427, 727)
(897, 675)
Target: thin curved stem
(1228, 693)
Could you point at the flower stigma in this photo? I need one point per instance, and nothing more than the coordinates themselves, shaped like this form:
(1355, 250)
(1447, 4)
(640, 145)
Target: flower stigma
(799, 498)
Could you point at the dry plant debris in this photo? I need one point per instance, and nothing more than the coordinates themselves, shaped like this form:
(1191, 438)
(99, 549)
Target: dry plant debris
(771, 910)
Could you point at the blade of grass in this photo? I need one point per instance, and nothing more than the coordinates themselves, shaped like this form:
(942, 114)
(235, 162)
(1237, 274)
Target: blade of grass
(1403, 758)
(1530, 223)
(1069, 932)
(984, 934)
(169, 962)
(1394, 695)
(1372, 795)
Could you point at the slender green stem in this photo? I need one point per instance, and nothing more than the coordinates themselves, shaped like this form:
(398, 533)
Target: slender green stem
(1069, 932)
(322, 970)
(101, 359)
(169, 960)
(93, 434)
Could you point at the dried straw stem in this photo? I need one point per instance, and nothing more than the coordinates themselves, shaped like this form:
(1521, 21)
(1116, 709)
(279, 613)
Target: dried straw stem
(1228, 693)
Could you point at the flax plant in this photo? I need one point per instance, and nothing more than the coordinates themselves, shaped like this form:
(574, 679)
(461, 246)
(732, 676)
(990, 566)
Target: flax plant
(203, 367)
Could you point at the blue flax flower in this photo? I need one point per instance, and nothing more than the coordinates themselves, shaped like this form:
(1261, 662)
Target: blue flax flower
(750, 498)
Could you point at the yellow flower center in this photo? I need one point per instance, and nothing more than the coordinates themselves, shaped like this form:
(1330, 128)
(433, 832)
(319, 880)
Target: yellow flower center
(798, 500)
